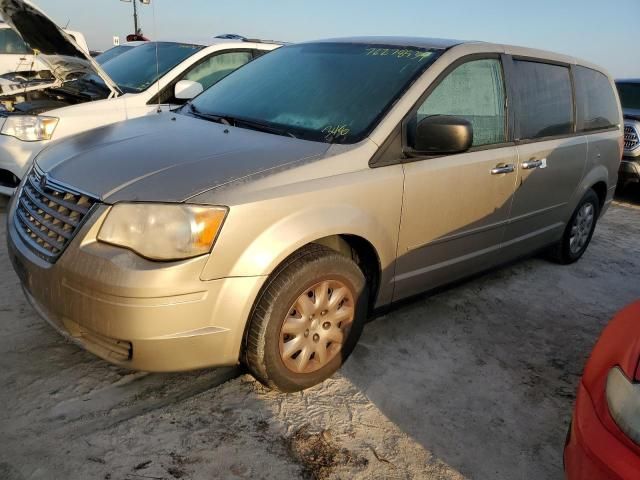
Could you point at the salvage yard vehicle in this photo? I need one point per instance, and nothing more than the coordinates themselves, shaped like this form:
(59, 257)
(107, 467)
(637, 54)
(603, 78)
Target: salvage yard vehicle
(264, 221)
(629, 91)
(87, 95)
(20, 61)
(604, 437)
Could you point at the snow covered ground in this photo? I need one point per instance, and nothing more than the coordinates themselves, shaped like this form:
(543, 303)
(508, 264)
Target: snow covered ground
(476, 381)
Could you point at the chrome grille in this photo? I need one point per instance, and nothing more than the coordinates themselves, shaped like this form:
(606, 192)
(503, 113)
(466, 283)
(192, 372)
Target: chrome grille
(631, 138)
(48, 215)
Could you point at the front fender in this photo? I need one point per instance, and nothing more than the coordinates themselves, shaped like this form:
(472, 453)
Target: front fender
(258, 235)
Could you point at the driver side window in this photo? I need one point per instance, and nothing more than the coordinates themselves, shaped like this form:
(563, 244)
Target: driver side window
(474, 91)
(215, 68)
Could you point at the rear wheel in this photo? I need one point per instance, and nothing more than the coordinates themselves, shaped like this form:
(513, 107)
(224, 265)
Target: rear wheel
(579, 230)
(307, 320)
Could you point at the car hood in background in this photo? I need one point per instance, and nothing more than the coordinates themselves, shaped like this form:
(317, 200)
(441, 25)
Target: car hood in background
(168, 157)
(54, 46)
(631, 113)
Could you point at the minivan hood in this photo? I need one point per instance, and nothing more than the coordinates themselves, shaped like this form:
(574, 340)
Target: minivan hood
(167, 157)
(55, 47)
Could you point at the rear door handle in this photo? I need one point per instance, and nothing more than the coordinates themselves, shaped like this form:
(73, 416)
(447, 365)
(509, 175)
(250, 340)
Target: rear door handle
(531, 164)
(500, 169)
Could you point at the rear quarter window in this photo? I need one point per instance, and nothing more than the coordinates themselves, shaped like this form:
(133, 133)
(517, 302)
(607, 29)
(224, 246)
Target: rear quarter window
(544, 99)
(596, 102)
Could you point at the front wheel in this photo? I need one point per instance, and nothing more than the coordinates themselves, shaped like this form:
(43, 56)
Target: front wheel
(307, 321)
(579, 230)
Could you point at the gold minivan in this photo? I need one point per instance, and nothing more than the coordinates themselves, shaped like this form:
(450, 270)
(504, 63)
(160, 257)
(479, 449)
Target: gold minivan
(266, 219)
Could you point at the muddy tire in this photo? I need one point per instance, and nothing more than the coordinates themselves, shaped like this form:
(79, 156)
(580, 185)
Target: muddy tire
(307, 320)
(578, 232)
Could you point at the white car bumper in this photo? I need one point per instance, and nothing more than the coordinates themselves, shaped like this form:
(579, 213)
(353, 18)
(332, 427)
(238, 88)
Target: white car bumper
(16, 157)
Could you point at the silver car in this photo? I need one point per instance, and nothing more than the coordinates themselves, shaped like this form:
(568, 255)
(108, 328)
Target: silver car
(267, 219)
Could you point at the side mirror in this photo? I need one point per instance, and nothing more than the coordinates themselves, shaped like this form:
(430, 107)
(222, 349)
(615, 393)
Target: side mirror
(441, 134)
(187, 89)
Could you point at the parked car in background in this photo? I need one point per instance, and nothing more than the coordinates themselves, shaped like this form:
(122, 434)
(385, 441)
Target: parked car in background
(141, 81)
(19, 62)
(264, 220)
(604, 437)
(629, 91)
(114, 52)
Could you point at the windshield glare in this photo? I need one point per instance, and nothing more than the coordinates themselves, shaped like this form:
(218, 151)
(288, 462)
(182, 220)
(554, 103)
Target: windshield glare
(328, 92)
(629, 95)
(135, 70)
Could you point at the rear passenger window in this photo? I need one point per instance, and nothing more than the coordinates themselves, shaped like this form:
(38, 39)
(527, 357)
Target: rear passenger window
(474, 91)
(544, 99)
(596, 103)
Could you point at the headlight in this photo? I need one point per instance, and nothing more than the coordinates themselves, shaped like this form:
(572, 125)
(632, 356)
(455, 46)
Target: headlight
(163, 231)
(29, 128)
(623, 398)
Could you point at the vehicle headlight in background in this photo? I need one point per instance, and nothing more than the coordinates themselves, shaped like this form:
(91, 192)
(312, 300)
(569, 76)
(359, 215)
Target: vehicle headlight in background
(163, 231)
(623, 398)
(29, 128)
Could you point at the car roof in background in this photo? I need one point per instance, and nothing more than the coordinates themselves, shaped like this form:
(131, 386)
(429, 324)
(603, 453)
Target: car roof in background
(628, 80)
(215, 41)
(131, 44)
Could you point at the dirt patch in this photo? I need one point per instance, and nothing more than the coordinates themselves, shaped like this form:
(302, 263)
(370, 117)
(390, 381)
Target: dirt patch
(319, 455)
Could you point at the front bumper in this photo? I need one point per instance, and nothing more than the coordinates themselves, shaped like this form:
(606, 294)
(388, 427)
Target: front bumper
(592, 452)
(143, 315)
(16, 157)
(629, 169)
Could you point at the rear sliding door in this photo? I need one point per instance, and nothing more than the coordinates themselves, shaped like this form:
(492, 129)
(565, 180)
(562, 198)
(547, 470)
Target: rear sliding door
(551, 154)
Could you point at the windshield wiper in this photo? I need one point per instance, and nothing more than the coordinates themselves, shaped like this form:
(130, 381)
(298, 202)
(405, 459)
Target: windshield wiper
(241, 122)
(262, 127)
(208, 116)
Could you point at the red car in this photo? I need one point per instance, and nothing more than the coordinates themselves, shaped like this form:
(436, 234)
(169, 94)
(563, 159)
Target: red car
(604, 437)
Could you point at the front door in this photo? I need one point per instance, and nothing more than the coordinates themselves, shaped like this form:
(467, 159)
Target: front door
(456, 207)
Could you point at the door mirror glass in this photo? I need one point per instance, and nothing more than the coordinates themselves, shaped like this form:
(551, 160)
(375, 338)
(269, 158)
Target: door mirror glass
(187, 89)
(441, 134)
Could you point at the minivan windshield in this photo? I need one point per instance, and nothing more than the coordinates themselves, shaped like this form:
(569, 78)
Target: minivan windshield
(328, 92)
(629, 94)
(136, 69)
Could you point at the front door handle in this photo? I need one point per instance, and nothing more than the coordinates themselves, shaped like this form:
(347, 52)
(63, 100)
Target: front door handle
(531, 164)
(502, 168)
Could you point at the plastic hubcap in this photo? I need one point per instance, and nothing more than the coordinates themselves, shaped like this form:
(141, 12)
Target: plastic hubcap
(316, 326)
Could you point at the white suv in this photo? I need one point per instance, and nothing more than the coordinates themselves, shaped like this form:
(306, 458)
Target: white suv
(153, 76)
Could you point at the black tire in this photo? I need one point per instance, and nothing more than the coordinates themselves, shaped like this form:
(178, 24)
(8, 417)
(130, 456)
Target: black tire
(561, 252)
(309, 265)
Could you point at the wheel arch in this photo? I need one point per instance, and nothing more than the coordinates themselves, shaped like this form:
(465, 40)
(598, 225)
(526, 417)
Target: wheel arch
(600, 188)
(344, 228)
(361, 251)
(596, 179)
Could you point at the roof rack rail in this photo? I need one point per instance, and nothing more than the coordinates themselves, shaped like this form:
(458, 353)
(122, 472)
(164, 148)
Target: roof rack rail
(235, 36)
(261, 40)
